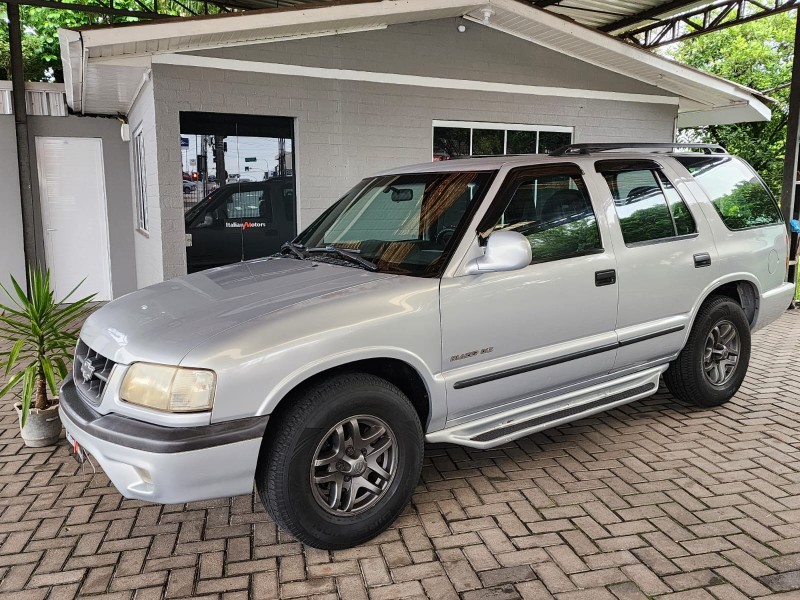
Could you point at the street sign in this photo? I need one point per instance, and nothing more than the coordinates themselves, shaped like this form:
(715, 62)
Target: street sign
(250, 159)
(184, 142)
(192, 161)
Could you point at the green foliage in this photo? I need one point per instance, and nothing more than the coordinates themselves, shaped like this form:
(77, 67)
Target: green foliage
(42, 340)
(759, 55)
(40, 48)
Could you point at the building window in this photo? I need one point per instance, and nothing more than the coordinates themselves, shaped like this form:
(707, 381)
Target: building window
(458, 139)
(140, 182)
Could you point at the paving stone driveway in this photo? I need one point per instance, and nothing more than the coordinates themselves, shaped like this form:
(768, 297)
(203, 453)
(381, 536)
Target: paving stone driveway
(654, 499)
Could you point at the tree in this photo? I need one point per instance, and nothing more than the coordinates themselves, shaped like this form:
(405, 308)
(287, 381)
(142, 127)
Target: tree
(40, 47)
(759, 55)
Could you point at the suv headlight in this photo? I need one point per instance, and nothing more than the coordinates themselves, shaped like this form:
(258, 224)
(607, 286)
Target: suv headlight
(171, 389)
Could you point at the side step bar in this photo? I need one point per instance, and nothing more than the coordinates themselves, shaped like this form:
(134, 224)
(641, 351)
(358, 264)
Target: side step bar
(497, 429)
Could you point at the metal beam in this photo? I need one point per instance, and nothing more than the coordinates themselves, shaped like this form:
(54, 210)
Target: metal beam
(716, 16)
(29, 230)
(88, 8)
(789, 205)
(647, 15)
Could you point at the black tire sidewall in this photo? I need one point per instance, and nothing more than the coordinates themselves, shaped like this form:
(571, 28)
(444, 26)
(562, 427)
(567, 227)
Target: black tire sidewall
(359, 396)
(723, 310)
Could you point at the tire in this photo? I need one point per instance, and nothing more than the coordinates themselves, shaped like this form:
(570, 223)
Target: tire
(696, 376)
(313, 512)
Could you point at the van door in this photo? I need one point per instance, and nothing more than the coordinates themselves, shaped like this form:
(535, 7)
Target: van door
(507, 337)
(665, 259)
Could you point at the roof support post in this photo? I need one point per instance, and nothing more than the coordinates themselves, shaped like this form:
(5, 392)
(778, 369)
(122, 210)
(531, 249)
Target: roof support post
(29, 231)
(789, 206)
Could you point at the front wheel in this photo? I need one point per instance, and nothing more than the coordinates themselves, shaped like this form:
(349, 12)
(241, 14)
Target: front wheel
(342, 461)
(711, 367)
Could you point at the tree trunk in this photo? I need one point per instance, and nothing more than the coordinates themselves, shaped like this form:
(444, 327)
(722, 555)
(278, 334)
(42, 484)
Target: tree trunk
(42, 401)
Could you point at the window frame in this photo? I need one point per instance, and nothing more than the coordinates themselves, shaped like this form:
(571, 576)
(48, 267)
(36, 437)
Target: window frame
(140, 183)
(504, 127)
(626, 165)
(505, 194)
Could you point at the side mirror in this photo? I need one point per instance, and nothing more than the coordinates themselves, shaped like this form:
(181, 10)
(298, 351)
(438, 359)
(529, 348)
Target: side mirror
(505, 251)
(207, 221)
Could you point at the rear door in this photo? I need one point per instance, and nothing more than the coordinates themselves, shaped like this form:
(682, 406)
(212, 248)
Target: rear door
(507, 337)
(666, 258)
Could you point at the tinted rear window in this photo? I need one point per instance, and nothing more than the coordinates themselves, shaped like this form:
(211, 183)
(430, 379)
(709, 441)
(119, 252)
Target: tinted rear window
(739, 196)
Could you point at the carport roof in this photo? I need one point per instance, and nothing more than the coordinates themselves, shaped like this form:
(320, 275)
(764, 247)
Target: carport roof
(104, 66)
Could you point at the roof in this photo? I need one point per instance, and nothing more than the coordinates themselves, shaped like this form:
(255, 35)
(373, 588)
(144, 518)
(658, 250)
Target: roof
(97, 84)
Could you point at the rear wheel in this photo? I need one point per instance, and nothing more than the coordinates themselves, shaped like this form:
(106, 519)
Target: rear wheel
(711, 367)
(342, 462)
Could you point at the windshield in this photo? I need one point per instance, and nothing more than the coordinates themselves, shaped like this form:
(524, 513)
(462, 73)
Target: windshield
(405, 224)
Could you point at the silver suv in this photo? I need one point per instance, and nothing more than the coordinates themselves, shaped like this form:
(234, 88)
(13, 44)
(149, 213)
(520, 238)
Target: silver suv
(470, 302)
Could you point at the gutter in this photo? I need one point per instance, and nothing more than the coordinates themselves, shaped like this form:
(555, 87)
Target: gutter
(73, 60)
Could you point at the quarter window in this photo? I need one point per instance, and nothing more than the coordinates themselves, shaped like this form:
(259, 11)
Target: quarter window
(554, 212)
(648, 205)
(737, 193)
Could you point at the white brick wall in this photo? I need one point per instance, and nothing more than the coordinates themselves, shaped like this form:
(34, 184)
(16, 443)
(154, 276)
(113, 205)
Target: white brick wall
(348, 130)
(148, 248)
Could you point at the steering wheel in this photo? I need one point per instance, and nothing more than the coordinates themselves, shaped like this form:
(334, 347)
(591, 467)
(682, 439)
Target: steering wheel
(445, 235)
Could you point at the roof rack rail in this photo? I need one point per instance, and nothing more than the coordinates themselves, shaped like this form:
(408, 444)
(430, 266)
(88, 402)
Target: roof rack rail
(592, 148)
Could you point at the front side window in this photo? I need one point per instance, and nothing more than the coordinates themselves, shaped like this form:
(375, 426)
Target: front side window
(555, 213)
(737, 193)
(405, 224)
(648, 206)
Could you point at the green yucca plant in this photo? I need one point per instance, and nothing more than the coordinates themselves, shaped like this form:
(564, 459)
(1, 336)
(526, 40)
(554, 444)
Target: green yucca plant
(42, 340)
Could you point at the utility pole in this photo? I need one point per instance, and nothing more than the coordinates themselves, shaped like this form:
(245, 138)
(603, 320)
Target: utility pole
(21, 124)
(789, 205)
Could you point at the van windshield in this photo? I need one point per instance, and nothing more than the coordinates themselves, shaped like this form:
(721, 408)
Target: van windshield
(406, 224)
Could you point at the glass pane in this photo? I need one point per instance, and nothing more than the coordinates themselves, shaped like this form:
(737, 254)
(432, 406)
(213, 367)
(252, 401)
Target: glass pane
(403, 223)
(521, 142)
(238, 188)
(736, 192)
(450, 142)
(487, 142)
(552, 140)
(555, 214)
(641, 206)
(684, 223)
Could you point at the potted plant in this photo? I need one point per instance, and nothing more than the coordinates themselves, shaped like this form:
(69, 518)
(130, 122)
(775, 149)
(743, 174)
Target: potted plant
(41, 332)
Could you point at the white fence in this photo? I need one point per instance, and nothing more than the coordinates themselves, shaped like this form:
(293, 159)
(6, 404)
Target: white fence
(45, 99)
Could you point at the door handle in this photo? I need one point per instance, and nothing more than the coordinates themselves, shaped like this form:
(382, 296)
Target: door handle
(607, 277)
(702, 260)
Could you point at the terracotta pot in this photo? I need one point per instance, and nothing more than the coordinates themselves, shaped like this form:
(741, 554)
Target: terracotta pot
(42, 428)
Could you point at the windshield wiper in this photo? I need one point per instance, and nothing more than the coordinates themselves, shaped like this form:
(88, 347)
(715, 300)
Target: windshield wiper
(296, 249)
(349, 254)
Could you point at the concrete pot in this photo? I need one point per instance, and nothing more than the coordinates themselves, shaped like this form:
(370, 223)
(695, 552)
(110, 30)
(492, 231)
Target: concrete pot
(42, 428)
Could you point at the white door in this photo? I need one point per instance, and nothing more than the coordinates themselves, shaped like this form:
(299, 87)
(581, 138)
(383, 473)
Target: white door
(73, 198)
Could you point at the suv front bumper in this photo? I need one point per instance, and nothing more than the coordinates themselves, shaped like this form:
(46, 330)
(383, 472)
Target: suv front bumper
(168, 465)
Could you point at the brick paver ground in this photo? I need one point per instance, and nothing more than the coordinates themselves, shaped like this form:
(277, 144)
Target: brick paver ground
(653, 500)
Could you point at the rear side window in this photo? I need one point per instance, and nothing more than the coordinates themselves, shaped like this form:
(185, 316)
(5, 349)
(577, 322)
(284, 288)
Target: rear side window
(739, 196)
(647, 204)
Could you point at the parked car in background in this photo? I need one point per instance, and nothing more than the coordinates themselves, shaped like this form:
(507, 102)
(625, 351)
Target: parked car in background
(470, 302)
(189, 186)
(240, 221)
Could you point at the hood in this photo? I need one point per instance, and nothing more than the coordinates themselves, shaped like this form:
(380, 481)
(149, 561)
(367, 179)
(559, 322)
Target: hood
(163, 322)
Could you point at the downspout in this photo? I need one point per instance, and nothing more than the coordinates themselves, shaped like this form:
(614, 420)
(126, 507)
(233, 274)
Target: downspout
(29, 229)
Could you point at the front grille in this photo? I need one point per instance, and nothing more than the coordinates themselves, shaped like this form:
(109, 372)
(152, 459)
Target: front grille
(98, 369)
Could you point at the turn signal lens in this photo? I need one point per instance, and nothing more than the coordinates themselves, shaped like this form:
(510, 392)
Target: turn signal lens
(171, 389)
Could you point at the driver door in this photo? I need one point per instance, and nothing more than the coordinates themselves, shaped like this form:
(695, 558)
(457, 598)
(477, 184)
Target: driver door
(508, 337)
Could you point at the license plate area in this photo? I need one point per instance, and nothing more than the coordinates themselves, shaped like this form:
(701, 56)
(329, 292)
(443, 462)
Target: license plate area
(78, 453)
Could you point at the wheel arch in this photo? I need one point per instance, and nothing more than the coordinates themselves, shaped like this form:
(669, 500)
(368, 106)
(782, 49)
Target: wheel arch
(394, 370)
(742, 288)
